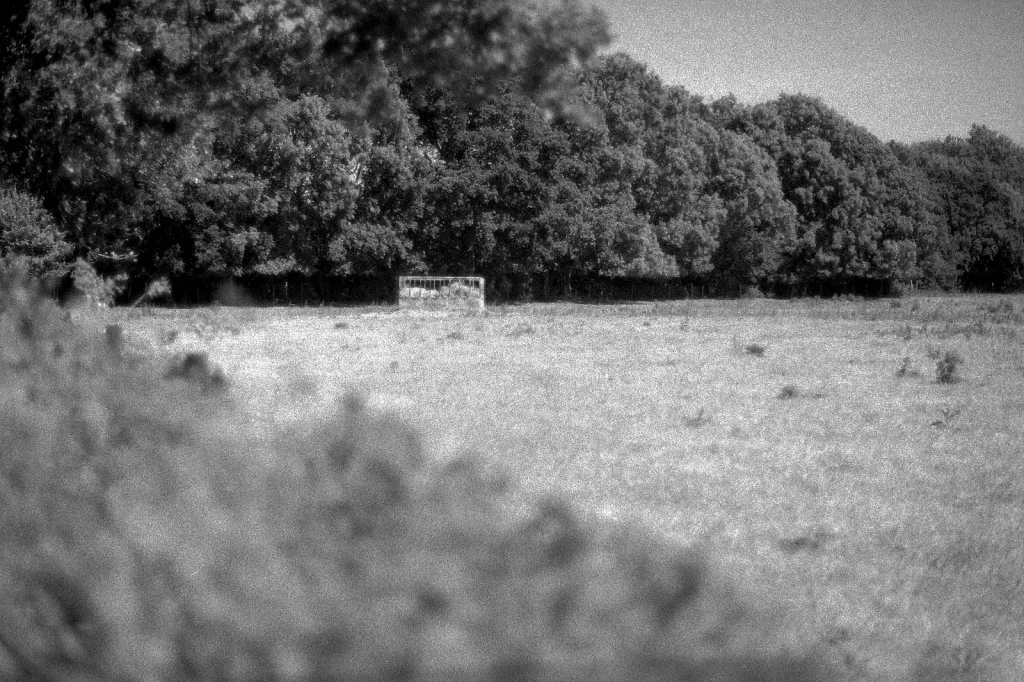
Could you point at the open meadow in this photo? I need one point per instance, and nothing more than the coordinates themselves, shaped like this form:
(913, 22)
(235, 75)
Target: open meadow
(856, 463)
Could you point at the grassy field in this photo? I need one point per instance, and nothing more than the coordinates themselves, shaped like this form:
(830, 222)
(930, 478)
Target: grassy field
(807, 445)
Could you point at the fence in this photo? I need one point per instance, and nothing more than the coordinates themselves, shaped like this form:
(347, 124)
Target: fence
(441, 293)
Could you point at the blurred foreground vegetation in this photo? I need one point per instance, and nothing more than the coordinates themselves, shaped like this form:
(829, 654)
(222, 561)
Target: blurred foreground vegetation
(147, 534)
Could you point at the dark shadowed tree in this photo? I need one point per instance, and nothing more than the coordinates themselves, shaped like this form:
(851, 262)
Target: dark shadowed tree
(651, 147)
(111, 109)
(977, 186)
(858, 221)
(758, 229)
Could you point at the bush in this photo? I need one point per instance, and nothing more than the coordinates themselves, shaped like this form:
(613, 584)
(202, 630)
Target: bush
(29, 237)
(196, 368)
(96, 290)
(947, 369)
(907, 368)
(755, 349)
(788, 392)
(147, 533)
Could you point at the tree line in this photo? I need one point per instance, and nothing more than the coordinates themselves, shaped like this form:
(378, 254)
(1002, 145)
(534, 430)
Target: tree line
(338, 145)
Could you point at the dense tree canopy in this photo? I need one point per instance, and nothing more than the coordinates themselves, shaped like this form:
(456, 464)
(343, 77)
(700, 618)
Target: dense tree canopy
(976, 186)
(364, 139)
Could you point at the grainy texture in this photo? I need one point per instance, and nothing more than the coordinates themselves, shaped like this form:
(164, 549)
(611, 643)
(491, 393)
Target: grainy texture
(153, 528)
(880, 506)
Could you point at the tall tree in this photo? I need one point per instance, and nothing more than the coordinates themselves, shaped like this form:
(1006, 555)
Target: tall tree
(109, 105)
(651, 149)
(857, 221)
(758, 229)
(978, 186)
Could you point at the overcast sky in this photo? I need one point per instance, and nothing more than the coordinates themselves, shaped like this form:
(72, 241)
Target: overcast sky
(907, 70)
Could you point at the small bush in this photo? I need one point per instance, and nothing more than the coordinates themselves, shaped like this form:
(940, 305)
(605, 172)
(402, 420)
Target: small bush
(947, 369)
(29, 237)
(698, 420)
(755, 349)
(789, 392)
(195, 368)
(908, 368)
(949, 415)
(457, 335)
(96, 290)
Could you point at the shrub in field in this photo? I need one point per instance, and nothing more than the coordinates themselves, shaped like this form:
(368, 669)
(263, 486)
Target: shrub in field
(789, 392)
(145, 534)
(908, 368)
(755, 349)
(947, 369)
(195, 367)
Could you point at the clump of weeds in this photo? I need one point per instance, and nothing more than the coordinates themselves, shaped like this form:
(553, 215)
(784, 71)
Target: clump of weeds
(947, 368)
(789, 392)
(698, 420)
(908, 368)
(949, 415)
(811, 541)
(522, 329)
(755, 349)
(457, 335)
(195, 368)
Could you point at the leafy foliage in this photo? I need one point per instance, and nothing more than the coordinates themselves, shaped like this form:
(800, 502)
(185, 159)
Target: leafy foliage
(364, 139)
(947, 368)
(29, 237)
(978, 185)
(124, 117)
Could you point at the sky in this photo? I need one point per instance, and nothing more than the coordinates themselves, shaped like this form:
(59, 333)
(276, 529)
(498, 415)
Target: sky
(907, 70)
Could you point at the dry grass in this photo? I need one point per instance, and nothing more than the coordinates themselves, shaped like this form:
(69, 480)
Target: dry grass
(894, 543)
(153, 528)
